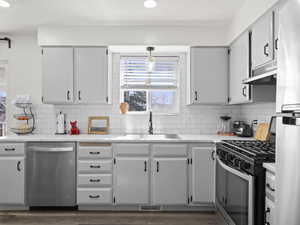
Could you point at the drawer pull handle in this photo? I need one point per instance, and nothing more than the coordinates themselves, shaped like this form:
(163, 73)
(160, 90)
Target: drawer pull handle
(95, 180)
(94, 153)
(95, 167)
(18, 166)
(270, 188)
(94, 196)
(9, 149)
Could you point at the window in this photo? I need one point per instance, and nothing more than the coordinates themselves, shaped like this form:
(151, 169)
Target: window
(154, 89)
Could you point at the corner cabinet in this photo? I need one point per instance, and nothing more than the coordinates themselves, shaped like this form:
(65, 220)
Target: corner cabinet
(239, 70)
(75, 75)
(208, 75)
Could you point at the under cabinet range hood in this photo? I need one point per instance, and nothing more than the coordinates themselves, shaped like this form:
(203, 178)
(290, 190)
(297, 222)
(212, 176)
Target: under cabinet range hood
(265, 75)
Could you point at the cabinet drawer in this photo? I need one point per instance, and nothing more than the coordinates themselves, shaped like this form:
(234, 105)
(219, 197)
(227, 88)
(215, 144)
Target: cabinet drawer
(94, 196)
(170, 150)
(95, 166)
(91, 180)
(12, 149)
(131, 149)
(95, 152)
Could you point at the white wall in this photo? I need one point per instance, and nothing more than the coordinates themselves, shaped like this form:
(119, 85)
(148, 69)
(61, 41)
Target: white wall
(133, 35)
(248, 14)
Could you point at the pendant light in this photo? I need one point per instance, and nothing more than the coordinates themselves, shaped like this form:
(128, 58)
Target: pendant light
(149, 4)
(4, 4)
(151, 59)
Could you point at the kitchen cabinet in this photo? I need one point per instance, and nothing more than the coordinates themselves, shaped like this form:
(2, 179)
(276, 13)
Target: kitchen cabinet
(262, 40)
(75, 75)
(276, 32)
(57, 69)
(239, 70)
(131, 180)
(169, 181)
(209, 75)
(91, 75)
(12, 180)
(202, 174)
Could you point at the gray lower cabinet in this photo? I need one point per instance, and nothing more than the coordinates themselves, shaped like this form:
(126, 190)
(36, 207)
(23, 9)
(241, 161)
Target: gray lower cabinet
(202, 173)
(94, 169)
(131, 180)
(169, 185)
(12, 171)
(270, 210)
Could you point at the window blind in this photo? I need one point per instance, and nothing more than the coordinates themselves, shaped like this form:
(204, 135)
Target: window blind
(134, 71)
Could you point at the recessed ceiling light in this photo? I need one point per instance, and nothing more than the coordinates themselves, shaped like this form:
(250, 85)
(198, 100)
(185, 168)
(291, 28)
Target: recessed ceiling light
(149, 4)
(4, 4)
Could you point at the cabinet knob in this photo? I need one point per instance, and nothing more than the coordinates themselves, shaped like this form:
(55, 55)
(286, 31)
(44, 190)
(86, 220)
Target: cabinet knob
(196, 95)
(68, 95)
(79, 95)
(244, 91)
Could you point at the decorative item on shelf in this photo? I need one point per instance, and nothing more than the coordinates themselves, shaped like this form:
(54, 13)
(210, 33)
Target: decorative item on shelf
(124, 107)
(224, 128)
(26, 119)
(98, 125)
(74, 129)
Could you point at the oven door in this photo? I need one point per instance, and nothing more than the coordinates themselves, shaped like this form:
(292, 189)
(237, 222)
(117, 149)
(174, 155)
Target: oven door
(234, 195)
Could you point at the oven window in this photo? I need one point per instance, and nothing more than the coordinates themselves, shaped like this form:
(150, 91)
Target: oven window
(237, 198)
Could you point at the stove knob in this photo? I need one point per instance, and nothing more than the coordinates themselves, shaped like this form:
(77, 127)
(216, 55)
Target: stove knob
(246, 166)
(237, 162)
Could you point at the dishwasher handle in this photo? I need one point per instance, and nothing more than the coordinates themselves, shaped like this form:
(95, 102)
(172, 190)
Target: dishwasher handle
(51, 149)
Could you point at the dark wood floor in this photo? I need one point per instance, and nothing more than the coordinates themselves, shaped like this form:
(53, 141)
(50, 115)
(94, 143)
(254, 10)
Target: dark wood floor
(109, 218)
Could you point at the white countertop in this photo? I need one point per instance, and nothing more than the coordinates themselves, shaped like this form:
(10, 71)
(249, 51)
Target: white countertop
(115, 138)
(270, 166)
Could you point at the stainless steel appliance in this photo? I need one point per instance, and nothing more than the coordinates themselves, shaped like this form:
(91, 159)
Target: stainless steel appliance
(288, 122)
(240, 180)
(51, 174)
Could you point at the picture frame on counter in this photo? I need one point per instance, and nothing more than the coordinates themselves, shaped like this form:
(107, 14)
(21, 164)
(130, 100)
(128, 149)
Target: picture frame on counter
(98, 125)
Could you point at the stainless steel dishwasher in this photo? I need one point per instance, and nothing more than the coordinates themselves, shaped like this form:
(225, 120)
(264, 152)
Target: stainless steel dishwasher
(51, 174)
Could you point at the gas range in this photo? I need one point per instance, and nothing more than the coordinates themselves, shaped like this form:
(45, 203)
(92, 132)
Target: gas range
(246, 156)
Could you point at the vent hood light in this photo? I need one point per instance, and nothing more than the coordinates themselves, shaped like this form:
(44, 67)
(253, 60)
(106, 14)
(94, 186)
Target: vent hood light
(4, 4)
(149, 4)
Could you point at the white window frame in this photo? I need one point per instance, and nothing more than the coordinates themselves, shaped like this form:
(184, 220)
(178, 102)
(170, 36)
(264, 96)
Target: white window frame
(177, 89)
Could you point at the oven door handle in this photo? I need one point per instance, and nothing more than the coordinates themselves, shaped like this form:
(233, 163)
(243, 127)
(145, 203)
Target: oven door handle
(235, 172)
(250, 180)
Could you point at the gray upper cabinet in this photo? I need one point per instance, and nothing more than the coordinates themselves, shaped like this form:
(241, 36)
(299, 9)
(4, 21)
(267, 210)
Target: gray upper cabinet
(239, 70)
(57, 69)
(91, 75)
(209, 75)
(276, 32)
(75, 75)
(262, 40)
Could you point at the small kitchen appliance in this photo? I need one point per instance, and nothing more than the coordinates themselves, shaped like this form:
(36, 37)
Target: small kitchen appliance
(244, 130)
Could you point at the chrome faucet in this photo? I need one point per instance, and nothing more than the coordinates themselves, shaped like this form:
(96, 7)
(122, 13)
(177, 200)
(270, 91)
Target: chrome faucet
(150, 131)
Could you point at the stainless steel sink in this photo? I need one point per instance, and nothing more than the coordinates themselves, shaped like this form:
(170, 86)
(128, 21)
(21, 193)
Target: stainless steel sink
(150, 137)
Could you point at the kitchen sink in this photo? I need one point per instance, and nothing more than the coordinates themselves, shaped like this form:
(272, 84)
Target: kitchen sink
(150, 137)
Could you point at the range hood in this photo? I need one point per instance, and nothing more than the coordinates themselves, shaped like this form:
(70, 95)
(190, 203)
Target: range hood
(265, 75)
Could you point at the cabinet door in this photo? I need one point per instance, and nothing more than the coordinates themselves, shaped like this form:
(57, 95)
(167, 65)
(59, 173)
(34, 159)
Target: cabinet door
(262, 41)
(276, 32)
(202, 175)
(91, 70)
(131, 184)
(169, 181)
(12, 180)
(209, 75)
(239, 70)
(57, 85)
(270, 212)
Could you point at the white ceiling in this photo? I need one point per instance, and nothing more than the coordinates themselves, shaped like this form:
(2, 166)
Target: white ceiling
(29, 14)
